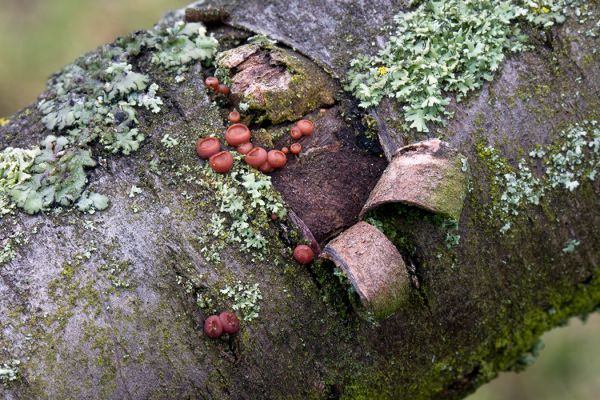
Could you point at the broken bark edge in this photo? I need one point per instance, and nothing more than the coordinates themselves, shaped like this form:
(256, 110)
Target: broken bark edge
(427, 175)
(374, 268)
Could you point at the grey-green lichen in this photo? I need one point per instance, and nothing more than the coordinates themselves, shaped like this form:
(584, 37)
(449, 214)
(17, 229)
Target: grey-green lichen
(444, 47)
(9, 371)
(95, 100)
(566, 165)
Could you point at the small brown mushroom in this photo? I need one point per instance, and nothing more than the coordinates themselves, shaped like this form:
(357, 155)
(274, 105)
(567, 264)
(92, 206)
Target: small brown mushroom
(285, 150)
(237, 134)
(296, 148)
(234, 117)
(245, 148)
(307, 127)
(206, 147)
(213, 327)
(266, 167)
(276, 158)
(212, 82)
(256, 157)
(221, 162)
(304, 254)
(223, 89)
(295, 133)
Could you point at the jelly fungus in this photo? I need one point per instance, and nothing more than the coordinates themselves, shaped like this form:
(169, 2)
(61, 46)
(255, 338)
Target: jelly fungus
(296, 148)
(276, 158)
(212, 82)
(304, 254)
(237, 134)
(207, 147)
(221, 162)
(213, 327)
(285, 150)
(256, 157)
(306, 127)
(230, 322)
(295, 133)
(234, 117)
(265, 168)
(244, 148)
(223, 89)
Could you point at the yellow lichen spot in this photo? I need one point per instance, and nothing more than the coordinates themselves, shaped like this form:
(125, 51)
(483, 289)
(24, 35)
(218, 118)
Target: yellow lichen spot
(4, 121)
(545, 10)
(381, 71)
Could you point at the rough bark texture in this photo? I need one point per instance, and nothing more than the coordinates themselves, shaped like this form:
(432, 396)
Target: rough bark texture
(475, 308)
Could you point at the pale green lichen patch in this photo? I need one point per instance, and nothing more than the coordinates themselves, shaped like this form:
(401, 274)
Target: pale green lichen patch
(566, 166)
(244, 299)
(9, 371)
(447, 47)
(246, 202)
(96, 99)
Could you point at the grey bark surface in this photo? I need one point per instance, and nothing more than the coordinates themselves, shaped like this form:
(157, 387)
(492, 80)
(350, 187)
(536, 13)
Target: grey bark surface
(473, 310)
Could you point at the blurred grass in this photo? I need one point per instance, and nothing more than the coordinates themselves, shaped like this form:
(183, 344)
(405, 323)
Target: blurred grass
(568, 368)
(38, 37)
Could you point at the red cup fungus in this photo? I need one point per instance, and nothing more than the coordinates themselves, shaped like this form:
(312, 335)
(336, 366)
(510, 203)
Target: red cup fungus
(234, 117)
(256, 157)
(296, 148)
(213, 327)
(285, 150)
(212, 82)
(223, 89)
(276, 158)
(307, 127)
(265, 168)
(237, 134)
(245, 148)
(207, 147)
(295, 133)
(221, 162)
(230, 322)
(304, 254)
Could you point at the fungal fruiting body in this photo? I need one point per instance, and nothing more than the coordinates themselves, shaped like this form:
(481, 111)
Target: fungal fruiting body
(212, 82)
(295, 133)
(213, 327)
(276, 158)
(237, 134)
(221, 162)
(285, 150)
(207, 147)
(304, 254)
(256, 157)
(223, 89)
(266, 167)
(234, 117)
(296, 148)
(230, 322)
(244, 148)
(306, 126)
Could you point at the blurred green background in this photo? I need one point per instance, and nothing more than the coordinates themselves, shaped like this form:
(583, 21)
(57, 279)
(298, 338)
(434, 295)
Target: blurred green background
(38, 37)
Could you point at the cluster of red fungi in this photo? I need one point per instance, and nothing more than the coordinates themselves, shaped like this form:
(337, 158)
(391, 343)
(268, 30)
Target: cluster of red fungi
(238, 135)
(221, 161)
(216, 325)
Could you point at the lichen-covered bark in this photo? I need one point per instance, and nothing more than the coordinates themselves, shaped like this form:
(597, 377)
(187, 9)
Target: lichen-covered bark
(106, 305)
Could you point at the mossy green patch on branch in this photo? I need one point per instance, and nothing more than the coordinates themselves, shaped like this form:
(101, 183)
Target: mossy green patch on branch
(447, 47)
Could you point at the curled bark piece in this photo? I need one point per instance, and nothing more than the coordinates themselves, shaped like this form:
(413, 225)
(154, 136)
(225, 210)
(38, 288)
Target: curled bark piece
(373, 266)
(428, 175)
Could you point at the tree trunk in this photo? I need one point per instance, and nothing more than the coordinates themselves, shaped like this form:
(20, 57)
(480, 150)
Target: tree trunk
(111, 304)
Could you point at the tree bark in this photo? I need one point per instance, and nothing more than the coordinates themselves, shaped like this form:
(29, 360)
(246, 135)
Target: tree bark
(105, 305)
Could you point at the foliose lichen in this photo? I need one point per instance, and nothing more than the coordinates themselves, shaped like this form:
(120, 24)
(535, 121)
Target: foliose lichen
(444, 47)
(95, 100)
